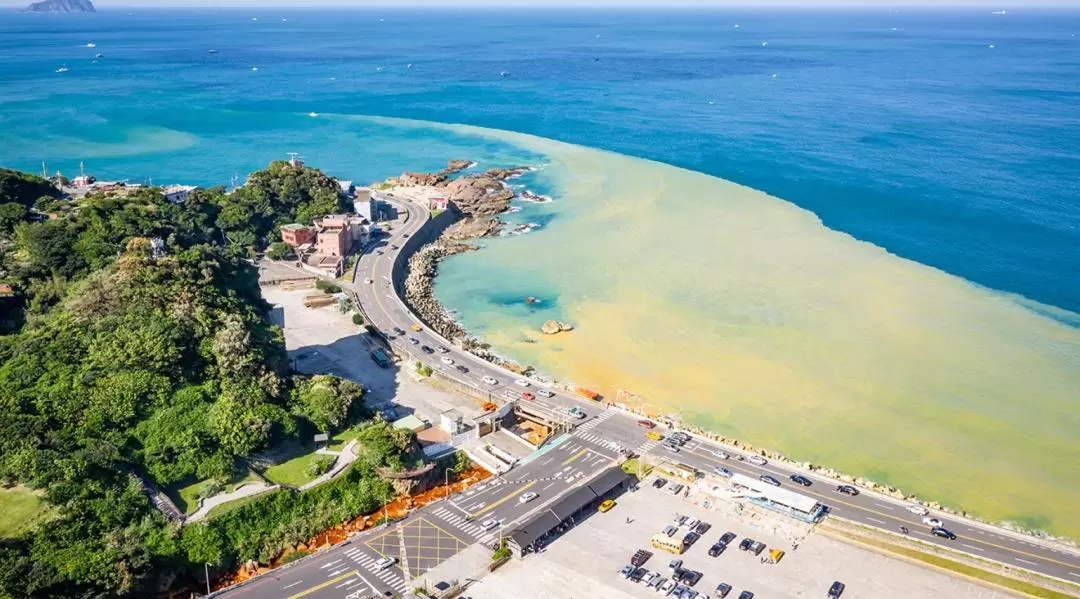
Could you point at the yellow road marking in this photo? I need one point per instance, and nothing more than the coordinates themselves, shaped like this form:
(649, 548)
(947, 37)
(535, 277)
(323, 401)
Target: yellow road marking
(575, 456)
(436, 527)
(835, 500)
(499, 502)
(324, 585)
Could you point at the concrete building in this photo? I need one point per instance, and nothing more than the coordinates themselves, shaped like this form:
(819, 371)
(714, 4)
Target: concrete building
(332, 242)
(438, 204)
(296, 235)
(778, 499)
(178, 193)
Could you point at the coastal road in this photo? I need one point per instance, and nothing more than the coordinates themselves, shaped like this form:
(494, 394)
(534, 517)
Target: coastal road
(437, 532)
(387, 312)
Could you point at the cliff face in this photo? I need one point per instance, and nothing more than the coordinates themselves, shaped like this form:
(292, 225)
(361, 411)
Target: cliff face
(62, 6)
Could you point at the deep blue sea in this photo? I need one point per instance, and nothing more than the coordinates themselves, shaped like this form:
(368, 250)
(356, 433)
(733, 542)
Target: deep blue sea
(906, 129)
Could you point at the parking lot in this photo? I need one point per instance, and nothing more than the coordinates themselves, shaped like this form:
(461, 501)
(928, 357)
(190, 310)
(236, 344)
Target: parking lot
(587, 560)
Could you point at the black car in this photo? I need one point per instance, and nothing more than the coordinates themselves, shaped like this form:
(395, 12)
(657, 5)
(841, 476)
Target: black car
(746, 543)
(717, 549)
(462, 369)
(637, 574)
(727, 538)
(944, 533)
(802, 480)
(723, 589)
(836, 590)
(757, 547)
(427, 350)
(690, 538)
(847, 490)
(702, 528)
(399, 331)
(765, 478)
(691, 578)
(678, 573)
(659, 483)
(746, 595)
(640, 557)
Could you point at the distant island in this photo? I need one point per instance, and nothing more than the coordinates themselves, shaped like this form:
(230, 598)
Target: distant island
(62, 6)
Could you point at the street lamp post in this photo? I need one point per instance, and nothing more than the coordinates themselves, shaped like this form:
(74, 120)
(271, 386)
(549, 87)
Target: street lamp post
(206, 571)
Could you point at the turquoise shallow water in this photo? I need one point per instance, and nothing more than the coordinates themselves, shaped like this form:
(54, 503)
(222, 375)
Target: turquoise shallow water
(877, 332)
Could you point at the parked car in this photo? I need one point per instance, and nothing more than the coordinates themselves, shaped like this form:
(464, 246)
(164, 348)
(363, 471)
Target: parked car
(702, 528)
(675, 488)
(802, 480)
(667, 587)
(649, 577)
(717, 549)
(836, 590)
(944, 533)
(385, 562)
(765, 478)
(690, 538)
(756, 459)
(727, 537)
(674, 564)
(637, 574)
(746, 595)
(606, 505)
(847, 490)
(679, 519)
(626, 571)
(670, 530)
(691, 523)
(659, 482)
(722, 590)
(640, 557)
(545, 393)
(745, 543)
(660, 581)
(757, 547)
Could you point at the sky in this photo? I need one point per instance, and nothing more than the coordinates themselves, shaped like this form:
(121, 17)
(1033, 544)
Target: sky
(995, 4)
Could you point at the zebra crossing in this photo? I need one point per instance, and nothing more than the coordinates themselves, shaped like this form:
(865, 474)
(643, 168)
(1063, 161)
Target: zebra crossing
(390, 577)
(648, 446)
(603, 417)
(458, 521)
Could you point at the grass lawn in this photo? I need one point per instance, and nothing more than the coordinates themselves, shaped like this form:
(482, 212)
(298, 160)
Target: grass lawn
(186, 497)
(338, 441)
(20, 510)
(292, 472)
(232, 505)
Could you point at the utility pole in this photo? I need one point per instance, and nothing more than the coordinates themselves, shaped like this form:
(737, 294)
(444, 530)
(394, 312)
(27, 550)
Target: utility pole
(206, 570)
(44, 171)
(82, 170)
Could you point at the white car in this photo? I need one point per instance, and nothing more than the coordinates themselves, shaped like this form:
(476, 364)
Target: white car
(414, 340)
(723, 455)
(691, 523)
(521, 383)
(918, 510)
(491, 380)
(448, 361)
(527, 497)
(667, 587)
(442, 350)
(932, 522)
(756, 459)
(367, 281)
(648, 579)
(489, 524)
(545, 393)
(385, 562)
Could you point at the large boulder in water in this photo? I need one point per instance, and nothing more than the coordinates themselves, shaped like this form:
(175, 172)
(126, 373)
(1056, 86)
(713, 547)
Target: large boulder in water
(554, 327)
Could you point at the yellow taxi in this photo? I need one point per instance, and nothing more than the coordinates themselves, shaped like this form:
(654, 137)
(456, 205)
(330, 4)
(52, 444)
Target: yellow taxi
(653, 435)
(606, 505)
(416, 328)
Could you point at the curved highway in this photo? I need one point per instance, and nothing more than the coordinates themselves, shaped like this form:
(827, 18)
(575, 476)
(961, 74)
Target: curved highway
(389, 314)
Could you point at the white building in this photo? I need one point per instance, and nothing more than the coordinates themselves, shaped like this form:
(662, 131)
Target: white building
(178, 193)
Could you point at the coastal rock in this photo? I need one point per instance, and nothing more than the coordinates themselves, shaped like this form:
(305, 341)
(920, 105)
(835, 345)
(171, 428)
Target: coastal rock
(61, 6)
(471, 228)
(479, 195)
(421, 179)
(456, 166)
(423, 266)
(554, 327)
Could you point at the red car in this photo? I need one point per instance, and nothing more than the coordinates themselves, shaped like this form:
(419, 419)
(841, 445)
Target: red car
(647, 423)
(527, 395)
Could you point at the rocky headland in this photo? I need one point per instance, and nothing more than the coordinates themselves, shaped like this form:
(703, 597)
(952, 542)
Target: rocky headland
(61, 6)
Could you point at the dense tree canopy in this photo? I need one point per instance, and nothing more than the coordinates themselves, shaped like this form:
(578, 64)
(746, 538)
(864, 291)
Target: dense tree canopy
(146, 352)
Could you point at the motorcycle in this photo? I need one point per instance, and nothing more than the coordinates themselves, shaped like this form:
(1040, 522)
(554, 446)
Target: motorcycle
(904, 529)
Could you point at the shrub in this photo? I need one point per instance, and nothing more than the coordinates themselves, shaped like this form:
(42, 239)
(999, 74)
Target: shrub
(295, 555)
(327, 286)
(319, 466)
(358, 320)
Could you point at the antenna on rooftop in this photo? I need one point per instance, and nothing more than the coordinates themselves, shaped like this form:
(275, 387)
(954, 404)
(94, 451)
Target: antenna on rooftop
(44, 171)
(82, 171)
(294, 160)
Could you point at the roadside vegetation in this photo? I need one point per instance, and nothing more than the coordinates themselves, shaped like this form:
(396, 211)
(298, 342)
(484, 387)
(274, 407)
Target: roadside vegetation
(134, 345)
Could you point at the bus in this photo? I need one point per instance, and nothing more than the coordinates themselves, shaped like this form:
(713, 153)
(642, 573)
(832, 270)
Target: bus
(662, 541)
(380, 358)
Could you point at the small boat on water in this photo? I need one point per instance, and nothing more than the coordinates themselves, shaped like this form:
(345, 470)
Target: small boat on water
(212, 51)
(91, 45)
(254, 68)
(504, 74)
(532, 300)
(63, 69)
(313, 114)
(999, 13)
(99, 55)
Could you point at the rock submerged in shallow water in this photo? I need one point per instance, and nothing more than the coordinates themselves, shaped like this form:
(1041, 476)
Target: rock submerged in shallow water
(554, 327)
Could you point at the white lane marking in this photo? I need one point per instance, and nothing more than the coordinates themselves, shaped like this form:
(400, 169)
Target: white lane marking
(971, 547)
(875, 520)
(291, 585)
(347, 583)
(336, 572)
(882, 505)
(547, 486)
(327, 565)
(1020, 559)
(1076, 574)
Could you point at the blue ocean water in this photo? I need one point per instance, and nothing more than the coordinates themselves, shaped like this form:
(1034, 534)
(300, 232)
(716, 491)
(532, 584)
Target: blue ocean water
(906, 129)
